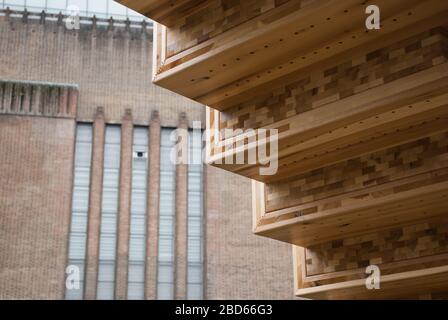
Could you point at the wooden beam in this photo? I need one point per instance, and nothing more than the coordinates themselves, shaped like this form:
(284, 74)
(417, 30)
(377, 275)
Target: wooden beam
(378, 118)
(362, 118)
(246, 56)
(350, 220)
(403, 284)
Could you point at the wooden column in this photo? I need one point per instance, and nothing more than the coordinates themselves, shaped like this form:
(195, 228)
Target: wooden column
(180, 289)
(152, 217)
(95, 197)
(127, 130)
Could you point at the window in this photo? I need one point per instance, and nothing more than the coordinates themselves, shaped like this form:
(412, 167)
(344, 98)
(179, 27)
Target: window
(137, 231)
(137, 235)
(80, 206)
(195, 217)
(165, 282)
(109, 214)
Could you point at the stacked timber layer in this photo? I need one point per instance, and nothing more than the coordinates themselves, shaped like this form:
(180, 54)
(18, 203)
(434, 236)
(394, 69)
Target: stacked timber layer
(362, 122)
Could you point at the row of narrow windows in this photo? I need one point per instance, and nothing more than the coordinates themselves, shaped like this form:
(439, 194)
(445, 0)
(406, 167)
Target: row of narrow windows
(138, 236)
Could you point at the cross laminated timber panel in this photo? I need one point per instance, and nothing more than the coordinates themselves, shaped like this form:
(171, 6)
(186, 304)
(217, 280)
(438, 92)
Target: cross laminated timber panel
(362, 117)
(390, 187)
(220, 53)
(365, 102)
(412, 260)
(247, 60)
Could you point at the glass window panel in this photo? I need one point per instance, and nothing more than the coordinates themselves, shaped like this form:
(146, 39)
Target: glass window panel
(136, 291)
(109, 213)
(138, 226)
(80, 4)
(76, 294)
(166, 273)
(195, 228)
(82, 173)
(116, 9)
(137, 250)
(79, 223)
(81, 195)
(194, 273)
(165, 291)
(15, 4)
(97, 6)
(194, 292)
(105, 291)
(35, 4)
(136, 272)
(137, 239)
(57, 4)
(166, 220)
(80, 203)
(106, 271)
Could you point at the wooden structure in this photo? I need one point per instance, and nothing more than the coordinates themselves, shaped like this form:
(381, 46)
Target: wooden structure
(362, 123)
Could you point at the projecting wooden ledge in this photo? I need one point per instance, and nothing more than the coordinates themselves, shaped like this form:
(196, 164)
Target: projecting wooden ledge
(364, 215)
(220, 61)
(362, 122)
(411, 284)
(384, 116)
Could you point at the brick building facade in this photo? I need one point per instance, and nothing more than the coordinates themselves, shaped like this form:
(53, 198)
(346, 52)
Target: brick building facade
(55, 83)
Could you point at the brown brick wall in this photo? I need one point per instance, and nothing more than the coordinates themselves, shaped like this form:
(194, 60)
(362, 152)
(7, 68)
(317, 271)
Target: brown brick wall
(239, 264)
(36, 169)
(111, 65)
(124, 212)
(347, 78)
(180, 275)
(38, 99)
(152, 220)
(112, 69)
(95, 198)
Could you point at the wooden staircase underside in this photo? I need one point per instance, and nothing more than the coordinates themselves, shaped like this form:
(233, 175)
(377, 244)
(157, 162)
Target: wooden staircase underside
(362, 123)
